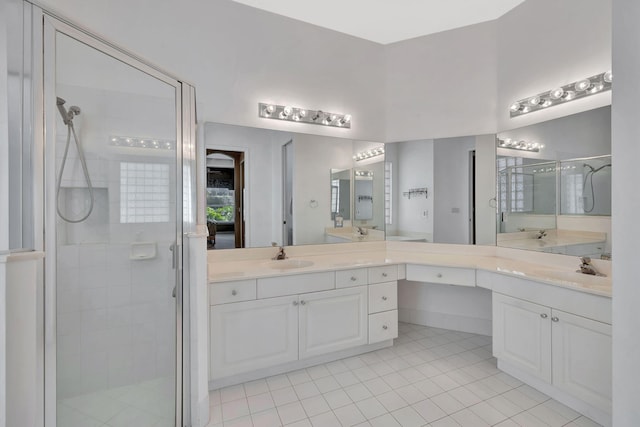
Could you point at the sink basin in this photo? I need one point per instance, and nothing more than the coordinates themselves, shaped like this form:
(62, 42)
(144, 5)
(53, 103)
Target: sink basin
(289, 264)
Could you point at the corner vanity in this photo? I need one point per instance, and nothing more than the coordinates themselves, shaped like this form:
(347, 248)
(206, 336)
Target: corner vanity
(551, 326)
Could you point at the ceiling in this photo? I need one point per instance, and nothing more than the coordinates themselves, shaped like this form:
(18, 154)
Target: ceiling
(386, 21)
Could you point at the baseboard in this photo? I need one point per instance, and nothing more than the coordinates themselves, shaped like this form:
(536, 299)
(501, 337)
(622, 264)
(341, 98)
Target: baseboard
(577, 405)
(293, 366)
(445, 321)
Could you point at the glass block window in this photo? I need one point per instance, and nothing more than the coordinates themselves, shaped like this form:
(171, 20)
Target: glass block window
(144, 192)
(388, 193)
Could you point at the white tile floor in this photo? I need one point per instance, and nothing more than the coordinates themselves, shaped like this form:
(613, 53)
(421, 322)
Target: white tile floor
(146, 404)
(430, 377)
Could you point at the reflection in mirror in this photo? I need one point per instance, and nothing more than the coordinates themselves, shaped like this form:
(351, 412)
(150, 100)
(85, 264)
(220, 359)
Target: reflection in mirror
(340, 195)
(363, 195)
(558, 200)
(443, 190)
(278, 192)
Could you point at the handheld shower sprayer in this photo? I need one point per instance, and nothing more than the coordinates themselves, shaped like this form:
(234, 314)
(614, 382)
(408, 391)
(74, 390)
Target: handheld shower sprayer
(67, 116)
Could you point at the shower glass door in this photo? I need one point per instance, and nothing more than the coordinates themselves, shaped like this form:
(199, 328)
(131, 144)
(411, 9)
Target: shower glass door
(115, 202)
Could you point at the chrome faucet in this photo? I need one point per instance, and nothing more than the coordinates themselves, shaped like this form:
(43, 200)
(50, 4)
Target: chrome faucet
(280, 255)
(586, 267)
(362, 231)
(541, 234)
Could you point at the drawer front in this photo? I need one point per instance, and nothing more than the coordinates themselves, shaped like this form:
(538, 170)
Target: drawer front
(445, 275)
(383, 326)
(296, 284)
(382, 274)
(383, 297)
(236, 291)
(349, 278)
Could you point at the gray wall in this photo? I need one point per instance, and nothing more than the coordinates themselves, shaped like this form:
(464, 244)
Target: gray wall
(626, 204)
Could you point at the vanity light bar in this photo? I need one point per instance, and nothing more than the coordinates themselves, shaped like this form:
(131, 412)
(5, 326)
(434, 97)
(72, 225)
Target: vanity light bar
(369, 154)
(367, 174)
(302, 115)
(134, 142)
(513, 144)
(576, 90)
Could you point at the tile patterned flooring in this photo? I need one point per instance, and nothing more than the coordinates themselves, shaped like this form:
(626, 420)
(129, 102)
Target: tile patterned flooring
(430, 377)
(146, 404)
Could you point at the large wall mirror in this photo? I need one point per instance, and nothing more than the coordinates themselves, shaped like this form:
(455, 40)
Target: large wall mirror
(558, 199)
(268, 187)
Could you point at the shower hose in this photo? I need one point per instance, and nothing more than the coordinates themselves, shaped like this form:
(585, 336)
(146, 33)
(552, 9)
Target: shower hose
(71, 130)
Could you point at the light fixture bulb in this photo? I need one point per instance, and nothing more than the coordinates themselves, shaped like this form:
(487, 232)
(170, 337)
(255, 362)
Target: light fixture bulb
(582, 85)
(534, 100)
(286, 111)
(269, 109)
(608, 76)
(302, 113)
(515, 107)
(556, 93)
(596, 87)
(546, 103)
(569, 95)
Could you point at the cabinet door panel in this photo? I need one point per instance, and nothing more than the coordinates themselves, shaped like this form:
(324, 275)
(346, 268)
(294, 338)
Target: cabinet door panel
(332, 321)
(582, 358)
(522, 335)
(252, 335)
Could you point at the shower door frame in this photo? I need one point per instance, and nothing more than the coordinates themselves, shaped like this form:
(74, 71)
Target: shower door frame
(45, 25)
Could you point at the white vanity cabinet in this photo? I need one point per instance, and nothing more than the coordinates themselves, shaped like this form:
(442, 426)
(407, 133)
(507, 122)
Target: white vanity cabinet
(332, 321)
(252, 335)
(570, 352)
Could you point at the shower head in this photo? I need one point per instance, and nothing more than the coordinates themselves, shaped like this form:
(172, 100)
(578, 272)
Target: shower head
(67, 116)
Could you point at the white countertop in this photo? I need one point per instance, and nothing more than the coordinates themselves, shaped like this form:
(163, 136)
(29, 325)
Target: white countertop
(558, 270)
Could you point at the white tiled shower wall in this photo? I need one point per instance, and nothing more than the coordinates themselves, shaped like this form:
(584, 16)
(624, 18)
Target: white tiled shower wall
(115, 316)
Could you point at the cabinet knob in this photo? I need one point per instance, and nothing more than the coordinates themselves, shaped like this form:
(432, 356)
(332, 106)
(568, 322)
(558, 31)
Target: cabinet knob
(555, 319)
(384, 298)
(385, 327)
(234, 292)
(543, 315)
(303, 302)
(384, 274)
(295, 303)
(439, 275)
(353, 278)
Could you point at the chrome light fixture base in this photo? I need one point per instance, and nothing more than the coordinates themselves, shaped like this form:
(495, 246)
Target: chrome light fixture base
(302, 115)
(563, 94)
(511, 144)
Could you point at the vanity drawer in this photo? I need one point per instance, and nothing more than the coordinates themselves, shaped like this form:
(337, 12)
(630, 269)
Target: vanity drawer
(383, 297)
(226, 292)
(296, 284)
(349, 278)
(383, 326)
(445, 275)
(385, 273)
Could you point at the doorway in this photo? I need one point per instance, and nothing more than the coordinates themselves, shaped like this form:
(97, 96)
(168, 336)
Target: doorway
(225, 186)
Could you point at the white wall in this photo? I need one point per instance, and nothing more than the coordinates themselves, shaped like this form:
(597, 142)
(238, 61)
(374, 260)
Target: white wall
(583, 134)
(626, 205)
(263, 159)
(237, 56)
(442, 85)
(451, 189)
(413, 168)
(543, 44)
(315, 156)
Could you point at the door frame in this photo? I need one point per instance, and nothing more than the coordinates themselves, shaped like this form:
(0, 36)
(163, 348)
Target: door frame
(45, 26)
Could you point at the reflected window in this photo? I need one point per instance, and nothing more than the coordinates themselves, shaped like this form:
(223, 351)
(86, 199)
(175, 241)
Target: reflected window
(144, 192)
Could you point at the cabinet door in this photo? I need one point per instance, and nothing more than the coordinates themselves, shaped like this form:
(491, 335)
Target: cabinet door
(252, 335)
(582, 358)
(522, 335)
(332, 321)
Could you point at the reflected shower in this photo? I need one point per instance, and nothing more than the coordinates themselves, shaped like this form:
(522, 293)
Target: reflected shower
(589, 177)
(67, 118)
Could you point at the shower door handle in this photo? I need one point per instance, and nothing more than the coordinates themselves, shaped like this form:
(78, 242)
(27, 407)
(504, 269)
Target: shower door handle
(172, 248)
